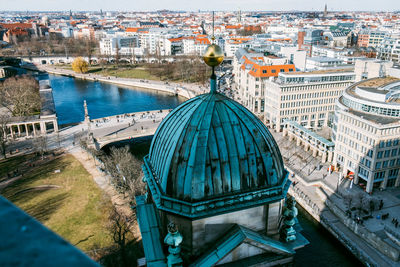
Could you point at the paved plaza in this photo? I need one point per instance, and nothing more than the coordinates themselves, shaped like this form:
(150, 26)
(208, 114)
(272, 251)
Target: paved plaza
(310, 174)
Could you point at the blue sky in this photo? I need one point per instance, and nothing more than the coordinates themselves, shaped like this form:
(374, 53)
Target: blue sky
(194, 5)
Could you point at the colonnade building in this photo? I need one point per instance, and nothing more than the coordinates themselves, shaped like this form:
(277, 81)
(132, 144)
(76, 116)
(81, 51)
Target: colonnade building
(366, 133)
(307, 98)
(35, 125)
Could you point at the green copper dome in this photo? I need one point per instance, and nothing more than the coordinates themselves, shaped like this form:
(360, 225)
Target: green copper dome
(211, 146)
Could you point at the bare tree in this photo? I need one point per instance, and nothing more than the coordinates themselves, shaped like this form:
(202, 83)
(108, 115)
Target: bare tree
(125, 170)
(90, 48)
(119, 227)
(117, 57)
(348, 200)
(361, 202)
(20, 95)
(4, 120)
(40, 145)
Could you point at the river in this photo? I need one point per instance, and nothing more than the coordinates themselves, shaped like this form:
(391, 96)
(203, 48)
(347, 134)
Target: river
(103, 99)
(107, 99)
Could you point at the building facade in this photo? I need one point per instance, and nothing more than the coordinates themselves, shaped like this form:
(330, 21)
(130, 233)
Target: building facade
(307, 98)
(366, 133)
(251, 71)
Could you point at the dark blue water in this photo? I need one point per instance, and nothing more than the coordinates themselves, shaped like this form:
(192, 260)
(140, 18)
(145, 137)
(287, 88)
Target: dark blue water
(103, 99)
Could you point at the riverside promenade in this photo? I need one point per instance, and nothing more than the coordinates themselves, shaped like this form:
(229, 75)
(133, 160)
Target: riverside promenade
(182, 89)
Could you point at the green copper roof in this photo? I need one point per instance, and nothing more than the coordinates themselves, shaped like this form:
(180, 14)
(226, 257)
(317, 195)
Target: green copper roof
(150, 231)
(211, 146)
(235, 237)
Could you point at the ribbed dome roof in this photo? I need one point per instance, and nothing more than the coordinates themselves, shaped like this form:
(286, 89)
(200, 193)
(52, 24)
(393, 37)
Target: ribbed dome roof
(210, 146)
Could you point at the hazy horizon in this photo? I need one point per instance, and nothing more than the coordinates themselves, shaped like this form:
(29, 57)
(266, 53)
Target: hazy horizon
(205, 5)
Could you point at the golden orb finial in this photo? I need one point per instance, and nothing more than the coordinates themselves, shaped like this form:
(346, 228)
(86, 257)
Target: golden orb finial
(213, 55)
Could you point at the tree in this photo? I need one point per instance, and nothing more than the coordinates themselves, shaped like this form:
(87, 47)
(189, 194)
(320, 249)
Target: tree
(117, 57)
(80, 65)
(4, 119)
(40, 145)
(125, 170)
(361, 202)
(119, 227)
(348, 200)
(90, 48)
(20, 95)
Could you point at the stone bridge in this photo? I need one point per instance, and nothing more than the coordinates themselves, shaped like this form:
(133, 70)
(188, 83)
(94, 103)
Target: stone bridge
(125, 126)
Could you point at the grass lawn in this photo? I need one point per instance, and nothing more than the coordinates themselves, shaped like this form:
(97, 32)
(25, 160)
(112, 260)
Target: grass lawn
(76, 208)
(135, 73)
(120, 72)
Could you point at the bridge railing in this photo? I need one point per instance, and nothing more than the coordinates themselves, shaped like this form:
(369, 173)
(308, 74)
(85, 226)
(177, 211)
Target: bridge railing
(133, 115)
(125, 135)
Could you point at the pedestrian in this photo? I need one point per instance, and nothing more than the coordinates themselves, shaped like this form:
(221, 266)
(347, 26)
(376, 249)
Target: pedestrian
(380, 204)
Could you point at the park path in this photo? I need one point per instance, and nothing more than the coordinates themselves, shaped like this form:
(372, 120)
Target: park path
(120, 201)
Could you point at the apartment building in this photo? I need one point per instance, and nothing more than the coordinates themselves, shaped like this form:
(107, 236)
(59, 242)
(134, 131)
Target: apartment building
(307, 98)
(368, 38)
(366, 133)
(251, 70)
(389, 49)
(124, 45)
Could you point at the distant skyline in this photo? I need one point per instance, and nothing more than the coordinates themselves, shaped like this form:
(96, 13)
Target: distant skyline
(179, 5)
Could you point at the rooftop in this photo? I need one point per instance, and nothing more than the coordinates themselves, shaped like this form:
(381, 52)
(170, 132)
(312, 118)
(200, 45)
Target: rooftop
(377, 82)
(328, 71)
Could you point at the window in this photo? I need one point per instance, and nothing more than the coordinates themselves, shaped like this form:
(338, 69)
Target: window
(363, 173)
(367, 163)
(378, 165)
(370, 153)
(379, 175)
(264, 71)
(380, 154)
(273, 71)
(282, 70)
(387, 153)
(290, 70)
(381, 144)
(385, 163)
(393, 173)
(388, 143)
(392, 162)
(394, 152)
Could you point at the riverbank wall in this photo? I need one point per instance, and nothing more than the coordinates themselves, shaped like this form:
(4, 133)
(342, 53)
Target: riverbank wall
(174, 89)
(369, 248)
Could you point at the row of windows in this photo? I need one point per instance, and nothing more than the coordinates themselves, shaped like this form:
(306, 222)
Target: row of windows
(387, 153)
(388, 143)
(381, 175)
(311, 95)
(305, 110)
(315, 86)
(371, 109)
(387, 163)
(308, 103)
(319, 79)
